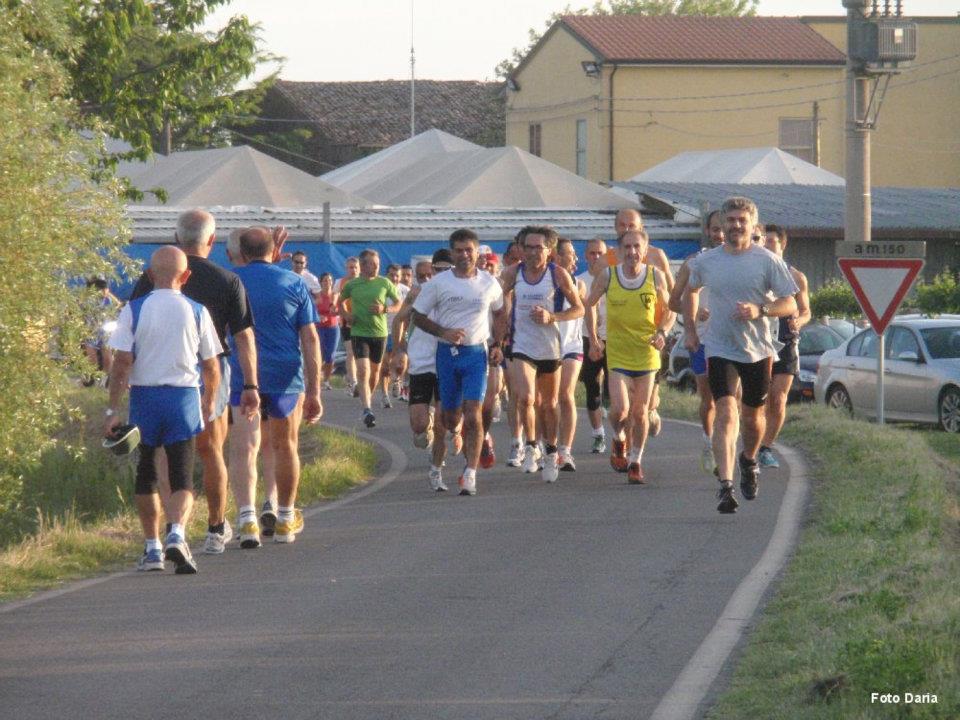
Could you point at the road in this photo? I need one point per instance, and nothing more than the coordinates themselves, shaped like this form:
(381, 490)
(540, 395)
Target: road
(582, 599)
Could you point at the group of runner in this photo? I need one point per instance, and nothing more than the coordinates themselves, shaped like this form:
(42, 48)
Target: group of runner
(460, 328)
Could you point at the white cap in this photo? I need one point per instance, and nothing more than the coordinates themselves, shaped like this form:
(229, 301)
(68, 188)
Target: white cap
(484, 250)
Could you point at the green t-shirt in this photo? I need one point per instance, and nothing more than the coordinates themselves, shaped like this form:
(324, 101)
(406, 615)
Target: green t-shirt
(365, 293)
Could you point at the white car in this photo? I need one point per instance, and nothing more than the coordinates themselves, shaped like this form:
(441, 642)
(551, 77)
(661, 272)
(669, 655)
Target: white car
(921, 372)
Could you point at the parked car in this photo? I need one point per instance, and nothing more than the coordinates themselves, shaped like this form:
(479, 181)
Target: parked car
(921, 372)
(815, 339)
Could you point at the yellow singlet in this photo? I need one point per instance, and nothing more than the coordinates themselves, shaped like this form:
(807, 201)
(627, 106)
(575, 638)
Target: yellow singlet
(631, 324)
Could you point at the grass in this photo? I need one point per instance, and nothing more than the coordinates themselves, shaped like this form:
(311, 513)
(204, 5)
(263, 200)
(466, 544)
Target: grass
(88, 525)
(871, 599)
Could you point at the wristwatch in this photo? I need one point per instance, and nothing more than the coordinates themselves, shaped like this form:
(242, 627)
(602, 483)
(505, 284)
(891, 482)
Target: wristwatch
(764, 311)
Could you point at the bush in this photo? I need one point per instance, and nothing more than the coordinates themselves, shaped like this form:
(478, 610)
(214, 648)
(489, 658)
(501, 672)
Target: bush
(940, 296)
(836, 300)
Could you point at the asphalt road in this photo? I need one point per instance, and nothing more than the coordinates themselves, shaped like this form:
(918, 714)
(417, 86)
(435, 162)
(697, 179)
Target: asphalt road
(582, 599)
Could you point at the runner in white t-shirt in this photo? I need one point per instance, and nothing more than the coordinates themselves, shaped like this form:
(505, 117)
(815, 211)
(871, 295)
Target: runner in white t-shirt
(462, 300)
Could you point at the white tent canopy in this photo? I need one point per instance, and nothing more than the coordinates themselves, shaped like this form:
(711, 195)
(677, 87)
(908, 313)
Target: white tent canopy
(505, 177)
(232, 176)
(763, 165)
(370, 170)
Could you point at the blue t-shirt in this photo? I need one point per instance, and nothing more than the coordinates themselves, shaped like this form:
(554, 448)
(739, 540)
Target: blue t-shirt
(281, 305)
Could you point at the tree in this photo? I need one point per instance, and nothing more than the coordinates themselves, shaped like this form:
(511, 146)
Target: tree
(834, 299)
(59, 226)
(940, 296)
(632, 7)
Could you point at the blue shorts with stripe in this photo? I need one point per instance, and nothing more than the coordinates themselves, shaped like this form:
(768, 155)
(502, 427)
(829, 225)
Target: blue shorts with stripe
(165, 414)
(461, 374)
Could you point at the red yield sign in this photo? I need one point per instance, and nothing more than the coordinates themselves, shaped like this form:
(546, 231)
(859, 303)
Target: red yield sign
(880, 274)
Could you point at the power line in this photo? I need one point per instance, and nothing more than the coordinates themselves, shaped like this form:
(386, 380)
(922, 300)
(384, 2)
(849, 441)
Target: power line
(283, 150)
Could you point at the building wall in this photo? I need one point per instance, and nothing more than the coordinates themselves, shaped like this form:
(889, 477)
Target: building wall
(917, 140)
(555, 92)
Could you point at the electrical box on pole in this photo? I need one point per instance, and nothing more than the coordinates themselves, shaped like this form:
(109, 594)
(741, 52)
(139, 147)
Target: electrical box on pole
(883, 45)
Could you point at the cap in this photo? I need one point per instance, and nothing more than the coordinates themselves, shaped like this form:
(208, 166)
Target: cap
(493, 258)
(484, 250)
(123, 440)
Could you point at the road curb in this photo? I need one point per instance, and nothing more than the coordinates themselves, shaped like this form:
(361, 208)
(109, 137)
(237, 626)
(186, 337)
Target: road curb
(693, 683)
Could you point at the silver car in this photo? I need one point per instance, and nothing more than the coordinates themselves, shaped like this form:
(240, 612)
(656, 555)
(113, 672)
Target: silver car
(921, 372)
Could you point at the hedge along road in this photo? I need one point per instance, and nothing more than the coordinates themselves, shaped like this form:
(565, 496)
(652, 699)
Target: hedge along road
(586, 598)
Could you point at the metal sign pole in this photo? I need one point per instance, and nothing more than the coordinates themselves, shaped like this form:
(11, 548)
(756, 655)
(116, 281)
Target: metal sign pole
(881, 351)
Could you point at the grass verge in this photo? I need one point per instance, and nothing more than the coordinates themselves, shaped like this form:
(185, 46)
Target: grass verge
(88, 525)
(870, 602)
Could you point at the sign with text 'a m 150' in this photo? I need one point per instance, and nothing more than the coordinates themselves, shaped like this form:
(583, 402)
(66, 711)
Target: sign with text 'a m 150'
(880, 274)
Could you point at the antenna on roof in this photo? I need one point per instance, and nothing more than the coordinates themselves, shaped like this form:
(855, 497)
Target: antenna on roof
(413, 79)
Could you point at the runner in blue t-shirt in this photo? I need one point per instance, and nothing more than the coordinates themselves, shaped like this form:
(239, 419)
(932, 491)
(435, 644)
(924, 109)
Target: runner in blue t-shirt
(288, 380)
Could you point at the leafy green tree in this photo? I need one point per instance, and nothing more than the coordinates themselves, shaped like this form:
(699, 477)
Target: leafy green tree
(631, 7)
(835, 299)
(59, 226)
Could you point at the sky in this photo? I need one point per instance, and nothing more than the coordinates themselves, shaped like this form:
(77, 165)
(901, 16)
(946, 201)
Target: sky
(453, 39)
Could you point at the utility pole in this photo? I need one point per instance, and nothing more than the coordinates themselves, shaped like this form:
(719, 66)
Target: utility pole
(413, 76)
(816, 133)
(857, 162)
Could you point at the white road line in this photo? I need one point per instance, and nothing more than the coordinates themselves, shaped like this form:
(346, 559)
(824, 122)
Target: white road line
(398, 463)
(692, 684)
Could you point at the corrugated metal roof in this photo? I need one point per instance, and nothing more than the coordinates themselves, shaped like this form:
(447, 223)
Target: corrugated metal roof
(819, 207)
(703, 40)
(157, 224)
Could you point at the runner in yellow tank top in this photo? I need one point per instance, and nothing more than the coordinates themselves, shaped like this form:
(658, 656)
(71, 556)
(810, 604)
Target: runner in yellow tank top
(636, 333)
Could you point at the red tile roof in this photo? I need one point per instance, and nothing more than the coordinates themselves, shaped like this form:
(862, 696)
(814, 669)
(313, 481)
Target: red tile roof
(703, 40)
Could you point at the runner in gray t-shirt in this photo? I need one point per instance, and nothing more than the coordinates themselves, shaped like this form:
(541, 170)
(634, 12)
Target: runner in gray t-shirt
(741, 278)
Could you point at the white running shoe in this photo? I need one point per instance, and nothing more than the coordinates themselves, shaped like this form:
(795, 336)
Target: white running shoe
(436, 481)
(216, 543)
(550, 469)
(531, 462)
(467, 487)
(424, 439)
(516, 455)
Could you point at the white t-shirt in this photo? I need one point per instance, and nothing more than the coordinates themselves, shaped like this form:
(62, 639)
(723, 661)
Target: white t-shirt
(173, 334)
(402, 291)
(601, 307)
(462, 303)
(313, 284)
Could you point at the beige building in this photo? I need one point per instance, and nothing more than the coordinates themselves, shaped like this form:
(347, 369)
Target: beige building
(610, 96)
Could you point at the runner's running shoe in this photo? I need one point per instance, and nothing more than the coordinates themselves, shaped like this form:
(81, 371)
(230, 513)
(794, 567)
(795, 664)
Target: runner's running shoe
(516, 455)
(766, 458)
(268, 519)
(467, 487)
(618, 456)
(531, 462)
(567, 464)
(150, 561)
(436, 481)
(707, 462)
(635, 474)
(369, 420)
(487, 456)
(249, 533)
(728, 503)
(216, 543)
(599, 445)
(287, 530)
(550, 471)
(749, 477)
(176, 550)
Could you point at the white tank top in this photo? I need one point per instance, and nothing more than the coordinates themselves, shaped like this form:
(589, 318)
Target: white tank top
(538, 342)
(601, 307)
(571, 333)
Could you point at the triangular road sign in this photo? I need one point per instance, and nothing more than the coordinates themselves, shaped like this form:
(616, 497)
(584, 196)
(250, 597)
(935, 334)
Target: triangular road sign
(880, 285)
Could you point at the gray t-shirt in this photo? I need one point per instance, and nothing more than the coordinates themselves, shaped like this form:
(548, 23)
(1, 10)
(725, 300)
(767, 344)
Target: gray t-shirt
(754, 276)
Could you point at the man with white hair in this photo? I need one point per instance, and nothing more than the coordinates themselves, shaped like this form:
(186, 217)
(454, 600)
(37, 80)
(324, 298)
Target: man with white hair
(222, 294)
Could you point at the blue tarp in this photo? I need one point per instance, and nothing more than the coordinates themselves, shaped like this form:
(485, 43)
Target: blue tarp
(329, 257)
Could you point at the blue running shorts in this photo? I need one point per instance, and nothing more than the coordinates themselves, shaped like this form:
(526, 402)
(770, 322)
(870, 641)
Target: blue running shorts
(461, 374)
(165, 414)
(272, 405)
